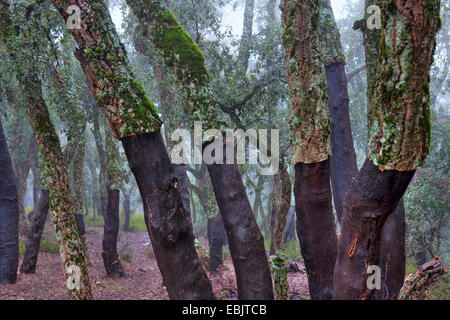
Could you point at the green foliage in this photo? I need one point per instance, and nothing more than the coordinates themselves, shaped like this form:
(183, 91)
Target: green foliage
(48, 245)
(22, 247)
(278, 266)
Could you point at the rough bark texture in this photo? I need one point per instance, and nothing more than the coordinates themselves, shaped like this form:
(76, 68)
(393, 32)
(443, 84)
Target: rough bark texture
(372, 197)
(110, 256)
(61, 202)
(246, 242)
(417, 284)
(311, 143)
(34, 238)
(183, 56)
(315, 226)
(216, 237)
(399, 136)
(310, 125)
(9, 216)
(134, 119)
(283, 190)
(399, 122)
(168, 222)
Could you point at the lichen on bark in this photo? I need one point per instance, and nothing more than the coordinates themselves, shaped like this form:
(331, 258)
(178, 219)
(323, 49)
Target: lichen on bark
(103, 58)
(184, 58)
(61, 202)
(399, 117)
(307, 82)
(330, 36)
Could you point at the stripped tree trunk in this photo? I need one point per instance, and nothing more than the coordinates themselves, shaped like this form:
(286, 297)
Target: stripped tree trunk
(311, 143)
(246, 243)
(135, 121)
(216, 236)
(399, 139)
(9, 215)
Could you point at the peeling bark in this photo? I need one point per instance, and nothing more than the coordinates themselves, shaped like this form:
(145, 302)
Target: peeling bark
(134, 119)
(419, 283)
(311, 143)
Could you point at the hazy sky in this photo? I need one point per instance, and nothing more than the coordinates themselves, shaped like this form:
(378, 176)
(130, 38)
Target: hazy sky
(233, 18)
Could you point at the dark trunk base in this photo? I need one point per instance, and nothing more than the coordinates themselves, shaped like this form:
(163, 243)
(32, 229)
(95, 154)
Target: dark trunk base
(392, 255)
(34, 238)
(9, 216)
(253, 275)
(316, 229)
(216, 237)
(372, 197)
(110, 256)
(168, 221)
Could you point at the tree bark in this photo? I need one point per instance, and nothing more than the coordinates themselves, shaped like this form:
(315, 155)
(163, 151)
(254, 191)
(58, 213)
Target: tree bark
(72, 253)
(392, 255)
(246, 243)
(110, 256)
(168, 222)
(126, 212)
(372, 197)
(34, 238)
(311, 143)
(9, 216)
(216, 236)
(419, 283)
(315, 227)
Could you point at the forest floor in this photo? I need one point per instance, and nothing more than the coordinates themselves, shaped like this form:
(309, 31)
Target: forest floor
(138, 260)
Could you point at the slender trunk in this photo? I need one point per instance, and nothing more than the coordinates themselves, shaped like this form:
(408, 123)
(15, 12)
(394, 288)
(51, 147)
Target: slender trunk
(61, 202)
(168, 222)
(34, 237)
(392, 255)
(343, 160)
(126, 212)
(399, 137)
(315, 230)
(110, 256)
(9, 216)
(216, 236)
(311, 143)
(370, 200)
(246, 243)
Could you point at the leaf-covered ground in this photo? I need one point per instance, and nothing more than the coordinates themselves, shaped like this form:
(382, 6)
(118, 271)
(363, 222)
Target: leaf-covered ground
(138, 260)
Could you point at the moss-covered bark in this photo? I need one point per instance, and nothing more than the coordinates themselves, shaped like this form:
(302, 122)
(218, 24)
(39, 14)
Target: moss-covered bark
(311, 143)
(330, 36)
(134, 119)
(307, 82)
(399, 120)
(61, 202)
(103, 58)
(399, 115)
(184, 58)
